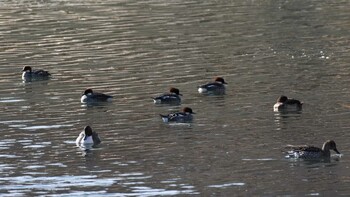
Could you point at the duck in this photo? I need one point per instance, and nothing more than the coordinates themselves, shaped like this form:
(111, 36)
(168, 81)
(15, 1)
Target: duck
(213, 88)
(185, 116)
(312, 152)
(287, 104)
(29, 74)
(173, 97)
(88, 137)
(90, 97)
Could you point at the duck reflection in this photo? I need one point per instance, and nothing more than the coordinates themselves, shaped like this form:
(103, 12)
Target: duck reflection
(282, 118)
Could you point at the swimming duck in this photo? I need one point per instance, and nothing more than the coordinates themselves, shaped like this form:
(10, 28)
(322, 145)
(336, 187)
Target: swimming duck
(311, 152)
(179, 117)
(88, 137)
(28, 74)
(287, 104)
(215, 88)
(89, 97)
(173, 97)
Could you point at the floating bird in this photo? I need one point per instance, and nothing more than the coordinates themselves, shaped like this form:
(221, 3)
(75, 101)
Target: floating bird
(179, 117)
(214, 88)
(311, 152)
(90, 97)
(28, 74)
(287, 104)
(88, 137)
(173, 97)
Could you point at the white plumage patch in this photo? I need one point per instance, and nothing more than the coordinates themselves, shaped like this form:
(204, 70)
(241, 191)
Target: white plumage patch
(165, 119)
(202, 90)
(83, 99)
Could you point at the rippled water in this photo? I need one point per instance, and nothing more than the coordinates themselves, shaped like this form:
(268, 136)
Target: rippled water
(135, 50)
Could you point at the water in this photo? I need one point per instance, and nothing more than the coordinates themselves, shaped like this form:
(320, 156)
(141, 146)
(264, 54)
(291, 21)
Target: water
(134, 50)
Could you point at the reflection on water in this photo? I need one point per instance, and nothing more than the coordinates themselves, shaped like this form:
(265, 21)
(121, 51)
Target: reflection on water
(10, 100)
(227, 185)
(134, 50)
(55, 183)
(282, 119)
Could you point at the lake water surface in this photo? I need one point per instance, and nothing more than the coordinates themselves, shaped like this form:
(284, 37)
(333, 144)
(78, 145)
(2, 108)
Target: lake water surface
(135, 50)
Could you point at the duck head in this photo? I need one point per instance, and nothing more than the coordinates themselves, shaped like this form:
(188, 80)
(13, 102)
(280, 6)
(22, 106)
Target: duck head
(175, 91)
(282, 99)
(87, 131)
(88, 92)
(188, 110)
(220, 80)
(27, 69)
(330, 145)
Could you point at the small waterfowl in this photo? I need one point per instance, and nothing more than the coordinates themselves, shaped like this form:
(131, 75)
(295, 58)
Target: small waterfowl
(215, 88)
(311, 152)
(28, 74)
(88, 137)
(179, 117)
(90, 97)
(287, 104)
(173, 97)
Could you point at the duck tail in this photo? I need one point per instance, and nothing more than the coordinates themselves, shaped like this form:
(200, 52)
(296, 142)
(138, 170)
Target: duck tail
(165, 118)
(156, 100)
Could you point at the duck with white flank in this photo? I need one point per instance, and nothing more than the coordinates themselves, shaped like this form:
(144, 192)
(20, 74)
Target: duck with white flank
(287, 104)
(179, 117)
(88, 138)
(311, 152)
(28, 74)
(173, 97)
(214, 88)
(90, 97)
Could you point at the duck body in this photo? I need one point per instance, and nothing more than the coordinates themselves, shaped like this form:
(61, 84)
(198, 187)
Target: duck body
(179, 117)
(88, 138)
(214, 88)
(29, 75)
(173, 97)
(91, 97)
(312, 152)
(287, 104)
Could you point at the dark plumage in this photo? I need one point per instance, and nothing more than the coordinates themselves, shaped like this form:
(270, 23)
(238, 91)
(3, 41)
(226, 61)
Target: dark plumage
(173, 97)
(179, 117)
(287, 104)
(88, 137)
(90, 96)
(28, 74)
(312, 152)
(216, 88)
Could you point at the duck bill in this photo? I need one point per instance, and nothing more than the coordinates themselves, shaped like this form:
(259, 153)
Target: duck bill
(336, 151)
